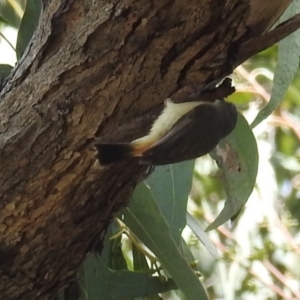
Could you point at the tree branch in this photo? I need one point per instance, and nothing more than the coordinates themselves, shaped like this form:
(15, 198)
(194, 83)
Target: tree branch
(260, 43)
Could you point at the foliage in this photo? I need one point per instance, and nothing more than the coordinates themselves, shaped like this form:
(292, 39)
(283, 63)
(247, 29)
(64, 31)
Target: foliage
(151, 249)
(24, 16)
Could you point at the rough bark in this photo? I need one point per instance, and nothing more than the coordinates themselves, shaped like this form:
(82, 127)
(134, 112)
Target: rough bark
(91, 68)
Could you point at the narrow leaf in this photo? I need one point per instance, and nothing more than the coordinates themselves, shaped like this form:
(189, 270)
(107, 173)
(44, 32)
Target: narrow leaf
(2, 20)
(237, 157)
(139, 260)
(152, 297)
(116, 259)
(4, 71)
(28, 25)
(287, 66)
(128, 285)
(11, 12)
(143, 217)
(201, 235)
(187, 253)
(170, 186)
(93, 277)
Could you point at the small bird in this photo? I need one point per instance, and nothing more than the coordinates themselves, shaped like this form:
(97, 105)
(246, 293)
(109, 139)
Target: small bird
(183, 131)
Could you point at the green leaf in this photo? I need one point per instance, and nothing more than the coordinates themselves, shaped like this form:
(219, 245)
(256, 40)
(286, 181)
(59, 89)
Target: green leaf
(2, 20)
(237, 156)
(139, 260)
(116, 259)
(144, 219)
(4, 71)
(93, 276)
(201, 235)
(287, 66)
(98, 282)
(170, 186)
(11, 12)
(128, 285)
(28, 25)
(187, 253)
(152, 297)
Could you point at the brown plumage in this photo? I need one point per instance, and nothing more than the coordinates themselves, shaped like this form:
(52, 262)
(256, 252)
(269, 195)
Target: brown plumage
(182, 132)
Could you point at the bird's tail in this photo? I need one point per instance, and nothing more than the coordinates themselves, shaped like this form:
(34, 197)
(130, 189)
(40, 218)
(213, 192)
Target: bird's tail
(110, 153)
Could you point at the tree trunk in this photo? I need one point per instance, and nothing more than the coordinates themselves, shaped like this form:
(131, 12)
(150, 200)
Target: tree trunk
(93, 68)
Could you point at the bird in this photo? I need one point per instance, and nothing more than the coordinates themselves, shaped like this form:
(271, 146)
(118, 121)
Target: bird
(183, 131)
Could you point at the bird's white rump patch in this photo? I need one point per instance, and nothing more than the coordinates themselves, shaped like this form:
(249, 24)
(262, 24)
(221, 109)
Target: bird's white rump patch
(169, 116)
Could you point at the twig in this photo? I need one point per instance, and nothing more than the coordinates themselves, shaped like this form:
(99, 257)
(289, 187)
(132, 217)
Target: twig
(276, 289)
(280, 277)
(268, 39)
(252, 80)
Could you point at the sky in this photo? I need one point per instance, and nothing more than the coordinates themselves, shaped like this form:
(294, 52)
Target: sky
(7, 54)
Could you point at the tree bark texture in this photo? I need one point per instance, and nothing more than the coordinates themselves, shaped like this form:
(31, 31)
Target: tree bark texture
(96, 68)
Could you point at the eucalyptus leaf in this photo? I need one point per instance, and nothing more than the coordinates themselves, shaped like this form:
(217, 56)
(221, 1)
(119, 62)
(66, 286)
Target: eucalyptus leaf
(152, 297)
(145, 220)
(187, 254)
(201, 235)
(139, 260)
(3, 20)
(170, 185)
(28, 25)
(116, 259)
(128, 285)
(237, 157)
(287, 66)
(11, 12)
(93, 276)
(4, 71)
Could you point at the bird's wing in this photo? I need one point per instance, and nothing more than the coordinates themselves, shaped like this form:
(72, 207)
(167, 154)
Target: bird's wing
(192, 136)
